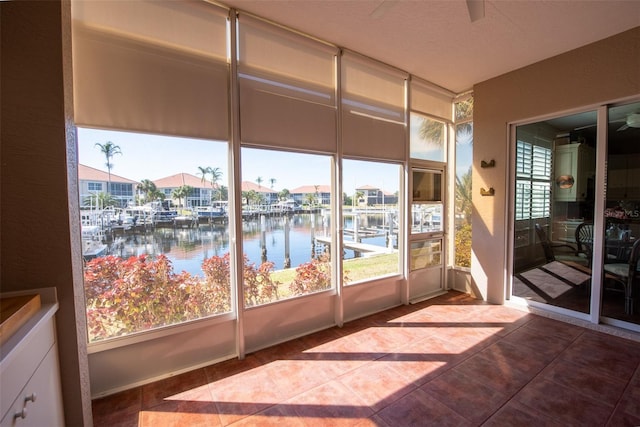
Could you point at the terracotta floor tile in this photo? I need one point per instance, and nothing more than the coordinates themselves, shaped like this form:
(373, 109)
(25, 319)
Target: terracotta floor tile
(280, 351)
(231, 367)
(471, 337)
(505, 378)
(546, 346)
(514, 414)
(465, 395)
(116, 419)
(126, 402)
(563, 404)
(616, 358)
(505, 354)
(554, 328)
(346, 354)
(444, 361)
(277, 416)
(155, 393)
(587, 381)
(377, 384)
(244, 394)
(331, 403)
(380, 338)
(424, 360)
(292, 377)
(419, 409)
(630, 402)
(178, 413)
(321, 337)
(622, 418)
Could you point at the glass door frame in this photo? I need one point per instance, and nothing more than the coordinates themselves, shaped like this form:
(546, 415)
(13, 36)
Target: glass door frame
(599, 222)
(427, 236)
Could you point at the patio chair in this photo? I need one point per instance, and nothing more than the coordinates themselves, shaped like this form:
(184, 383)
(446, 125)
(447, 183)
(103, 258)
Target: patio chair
(554, 252)
(628, 275)
(584, 241)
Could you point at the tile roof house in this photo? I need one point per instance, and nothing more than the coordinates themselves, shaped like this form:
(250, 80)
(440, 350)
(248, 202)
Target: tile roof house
(200, 195)
(303, 194)
(92, 181)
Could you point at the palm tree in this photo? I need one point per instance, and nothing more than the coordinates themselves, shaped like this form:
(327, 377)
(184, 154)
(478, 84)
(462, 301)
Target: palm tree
(310, 199)
(109, 149)
(223, 191)
(99, 201)
(432, 130)
(216, 174)
(284, 194)
(181, 193)
(148, 188)
(463, 195)
(259, 181)
(464, 109)
(464, 133)
(204, 172)
(272, 181)
(358, 196)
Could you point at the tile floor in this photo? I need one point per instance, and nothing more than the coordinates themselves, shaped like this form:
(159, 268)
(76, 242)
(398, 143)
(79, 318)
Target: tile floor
(447, 361)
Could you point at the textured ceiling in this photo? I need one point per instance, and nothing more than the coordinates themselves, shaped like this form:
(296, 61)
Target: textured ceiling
(436, 40)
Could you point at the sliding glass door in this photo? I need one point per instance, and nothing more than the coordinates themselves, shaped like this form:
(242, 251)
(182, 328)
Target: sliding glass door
(621, 222)
(576, 214)
(554, 204)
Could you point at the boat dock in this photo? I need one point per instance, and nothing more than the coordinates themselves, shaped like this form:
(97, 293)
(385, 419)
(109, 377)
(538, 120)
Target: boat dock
(362, 248)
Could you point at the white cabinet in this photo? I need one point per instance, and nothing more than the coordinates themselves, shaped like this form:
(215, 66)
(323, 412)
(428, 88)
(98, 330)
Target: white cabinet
(40, 400)
(623, 177)
(574, 162)
(30, 392)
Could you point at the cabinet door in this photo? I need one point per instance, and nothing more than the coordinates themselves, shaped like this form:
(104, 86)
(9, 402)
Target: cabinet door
(46, 409)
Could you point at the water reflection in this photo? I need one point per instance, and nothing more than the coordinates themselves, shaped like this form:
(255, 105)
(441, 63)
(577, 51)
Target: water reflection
(287, 241)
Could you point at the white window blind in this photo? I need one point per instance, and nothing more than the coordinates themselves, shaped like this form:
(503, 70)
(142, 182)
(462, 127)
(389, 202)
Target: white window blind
(150, 66)
(429, 99)
(373, 109)
(533, 181)
(287, 88)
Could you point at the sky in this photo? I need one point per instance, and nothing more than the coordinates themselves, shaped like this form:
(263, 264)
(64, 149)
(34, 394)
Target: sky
(153, 157)
(146, 156)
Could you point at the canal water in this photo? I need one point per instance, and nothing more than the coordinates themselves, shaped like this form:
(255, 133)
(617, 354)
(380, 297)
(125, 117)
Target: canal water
(187, 248)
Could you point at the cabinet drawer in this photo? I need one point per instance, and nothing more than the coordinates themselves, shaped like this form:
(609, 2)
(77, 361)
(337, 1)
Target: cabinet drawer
(44, 409)
(23, 361)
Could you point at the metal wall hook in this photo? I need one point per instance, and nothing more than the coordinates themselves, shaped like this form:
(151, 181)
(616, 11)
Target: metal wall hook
(489, 192)
(490, 164)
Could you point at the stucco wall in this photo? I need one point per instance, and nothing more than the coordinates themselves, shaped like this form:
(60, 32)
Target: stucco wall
(35, 247)
(595, 74)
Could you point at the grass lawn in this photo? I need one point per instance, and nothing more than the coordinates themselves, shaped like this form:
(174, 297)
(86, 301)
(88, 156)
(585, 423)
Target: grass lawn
(356, 269)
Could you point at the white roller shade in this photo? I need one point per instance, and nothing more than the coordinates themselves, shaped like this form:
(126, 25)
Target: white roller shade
(429, 99)
(156, 67)
(373, 109)
(287, 88)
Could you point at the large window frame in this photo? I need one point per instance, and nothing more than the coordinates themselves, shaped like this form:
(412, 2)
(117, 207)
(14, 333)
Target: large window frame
(354, 114)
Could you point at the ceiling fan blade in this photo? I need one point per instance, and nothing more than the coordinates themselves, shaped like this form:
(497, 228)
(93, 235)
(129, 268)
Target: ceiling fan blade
(585, 127)
(476, 9)
(382, 8)
(623, 127)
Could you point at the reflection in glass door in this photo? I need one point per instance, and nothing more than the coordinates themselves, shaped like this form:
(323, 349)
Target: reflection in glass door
(554, 211)
(620, 247)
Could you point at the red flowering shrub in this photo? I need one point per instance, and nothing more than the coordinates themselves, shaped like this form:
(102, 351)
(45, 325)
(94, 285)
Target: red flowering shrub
(259, 288)
(311, 277)
(139, 293)
(124, 296)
